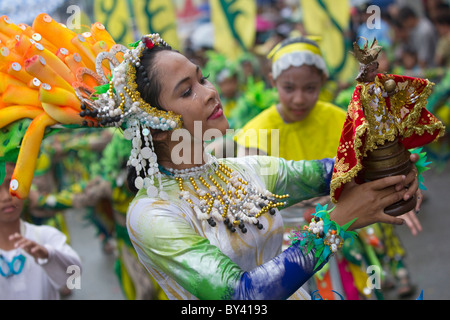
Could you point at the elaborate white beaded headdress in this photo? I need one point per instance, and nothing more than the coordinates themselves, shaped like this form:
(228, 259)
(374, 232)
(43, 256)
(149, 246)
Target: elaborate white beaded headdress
(118, 103)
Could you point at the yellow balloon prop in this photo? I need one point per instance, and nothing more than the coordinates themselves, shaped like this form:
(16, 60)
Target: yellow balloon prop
(39, 67)
(13, 113)
(29, 151)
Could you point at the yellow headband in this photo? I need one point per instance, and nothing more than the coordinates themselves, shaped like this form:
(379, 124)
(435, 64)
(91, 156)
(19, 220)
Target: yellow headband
(278, 52)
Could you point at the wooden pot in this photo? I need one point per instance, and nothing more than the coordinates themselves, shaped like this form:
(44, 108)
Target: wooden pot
(387, 160)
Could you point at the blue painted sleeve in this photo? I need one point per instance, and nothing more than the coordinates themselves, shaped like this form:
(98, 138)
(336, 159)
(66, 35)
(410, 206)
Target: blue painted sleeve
(278, 278)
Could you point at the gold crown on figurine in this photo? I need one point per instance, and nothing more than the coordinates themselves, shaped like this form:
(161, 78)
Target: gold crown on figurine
(366, 54)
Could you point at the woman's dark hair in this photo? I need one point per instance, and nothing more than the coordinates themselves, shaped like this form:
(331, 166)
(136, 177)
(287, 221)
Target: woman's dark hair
(146, 76)
(149, 88)
(131, 176)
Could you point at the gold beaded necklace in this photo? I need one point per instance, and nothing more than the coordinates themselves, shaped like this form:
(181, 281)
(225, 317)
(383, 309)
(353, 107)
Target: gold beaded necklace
(239, 203)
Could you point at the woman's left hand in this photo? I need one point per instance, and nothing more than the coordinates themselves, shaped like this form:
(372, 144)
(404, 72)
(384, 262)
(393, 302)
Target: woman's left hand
(412, 222)
(410, 217)
(412, 179)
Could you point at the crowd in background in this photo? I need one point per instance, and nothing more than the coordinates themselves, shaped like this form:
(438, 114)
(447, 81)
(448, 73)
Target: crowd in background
(415, 36)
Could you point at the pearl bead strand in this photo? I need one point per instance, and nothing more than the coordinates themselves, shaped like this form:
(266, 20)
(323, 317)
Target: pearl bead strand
(237, 204)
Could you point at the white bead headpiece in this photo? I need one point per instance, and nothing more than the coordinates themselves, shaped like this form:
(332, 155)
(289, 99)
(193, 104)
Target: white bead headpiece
(117, 102)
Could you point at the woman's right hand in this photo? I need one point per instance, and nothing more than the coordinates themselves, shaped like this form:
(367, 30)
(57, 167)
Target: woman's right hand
(367, 201)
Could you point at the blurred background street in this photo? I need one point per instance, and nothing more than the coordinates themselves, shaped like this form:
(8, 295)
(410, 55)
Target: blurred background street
(428, 255)
(98, 279)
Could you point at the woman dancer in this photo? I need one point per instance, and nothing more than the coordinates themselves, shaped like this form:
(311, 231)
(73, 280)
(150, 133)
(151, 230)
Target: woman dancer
(207, 228)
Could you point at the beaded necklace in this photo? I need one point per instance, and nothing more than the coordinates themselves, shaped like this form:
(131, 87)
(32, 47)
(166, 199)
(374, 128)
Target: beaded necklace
(237, 204)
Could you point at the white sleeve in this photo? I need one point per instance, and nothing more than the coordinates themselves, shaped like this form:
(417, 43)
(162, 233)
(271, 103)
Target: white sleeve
(61, 256)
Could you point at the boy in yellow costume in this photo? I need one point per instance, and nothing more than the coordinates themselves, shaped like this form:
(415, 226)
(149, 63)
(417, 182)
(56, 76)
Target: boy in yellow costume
(300, 126)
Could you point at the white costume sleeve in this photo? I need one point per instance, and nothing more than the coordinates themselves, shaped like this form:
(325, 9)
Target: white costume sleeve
(61, 254)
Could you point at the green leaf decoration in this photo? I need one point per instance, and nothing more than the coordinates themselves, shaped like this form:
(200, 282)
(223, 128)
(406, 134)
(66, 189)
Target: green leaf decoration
(421, 165)
(134, 44)
(2, 171)
(310, 246)
(348, 224)
(319, 252)
(103, 88)
(319, 262)
(306, 239)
